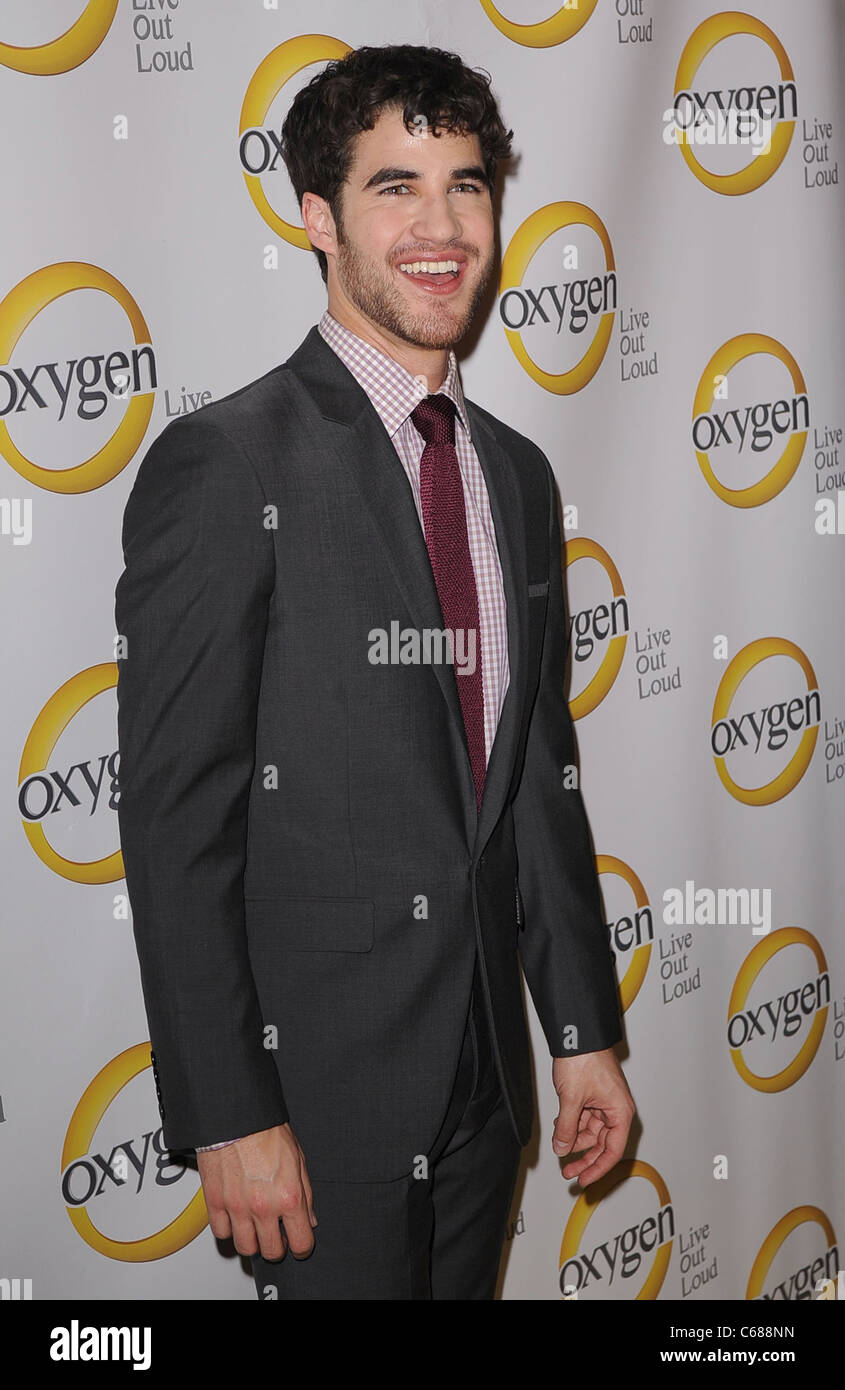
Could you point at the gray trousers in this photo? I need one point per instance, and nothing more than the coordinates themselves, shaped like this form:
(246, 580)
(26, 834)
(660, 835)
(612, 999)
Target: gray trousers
(437, 1236)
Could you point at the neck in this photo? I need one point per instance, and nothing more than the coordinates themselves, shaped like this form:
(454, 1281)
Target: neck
(431, 364)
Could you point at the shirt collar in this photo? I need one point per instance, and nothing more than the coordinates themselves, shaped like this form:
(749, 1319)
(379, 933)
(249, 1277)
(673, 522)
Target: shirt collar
(392, 389)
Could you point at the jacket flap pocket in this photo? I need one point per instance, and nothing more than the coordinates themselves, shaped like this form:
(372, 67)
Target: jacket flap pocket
(313, 924)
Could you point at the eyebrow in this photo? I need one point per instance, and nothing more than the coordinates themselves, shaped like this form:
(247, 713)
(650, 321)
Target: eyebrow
(397, 175)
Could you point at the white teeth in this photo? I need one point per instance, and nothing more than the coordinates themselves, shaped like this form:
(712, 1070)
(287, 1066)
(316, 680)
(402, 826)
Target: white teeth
(430, 267)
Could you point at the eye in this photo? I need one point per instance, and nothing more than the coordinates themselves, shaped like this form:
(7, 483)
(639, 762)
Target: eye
(464, 184)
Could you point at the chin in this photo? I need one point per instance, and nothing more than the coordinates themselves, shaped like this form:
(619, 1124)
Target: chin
(438, 339)
(436, 330)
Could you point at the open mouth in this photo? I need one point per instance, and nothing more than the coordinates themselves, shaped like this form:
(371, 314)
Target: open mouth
(438, 276)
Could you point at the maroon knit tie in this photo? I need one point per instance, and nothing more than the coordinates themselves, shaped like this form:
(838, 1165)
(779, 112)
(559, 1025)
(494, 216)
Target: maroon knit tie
(445, 526)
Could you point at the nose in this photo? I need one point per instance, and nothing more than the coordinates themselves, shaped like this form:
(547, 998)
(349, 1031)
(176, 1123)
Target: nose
(435, 219)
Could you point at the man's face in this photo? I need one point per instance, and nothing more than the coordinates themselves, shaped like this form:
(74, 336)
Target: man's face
(413, 197)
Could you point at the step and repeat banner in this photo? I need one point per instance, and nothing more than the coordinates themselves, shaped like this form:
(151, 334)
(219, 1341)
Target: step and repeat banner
(668, 327)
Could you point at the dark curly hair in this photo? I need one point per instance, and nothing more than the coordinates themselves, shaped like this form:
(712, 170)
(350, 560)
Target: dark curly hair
(348, 96)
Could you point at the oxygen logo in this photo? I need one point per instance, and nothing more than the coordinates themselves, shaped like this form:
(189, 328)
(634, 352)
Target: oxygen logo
(41, 793)
(546, 33)
(605, 622)
(799, 1284)
(780, 1017)
(628, 1252)
(755, 426)
(85, 1174)
(630, 933)
(570, 307)
(70, 49)
(259, 148)
(767, 729)
(768, 104)
(91, 380)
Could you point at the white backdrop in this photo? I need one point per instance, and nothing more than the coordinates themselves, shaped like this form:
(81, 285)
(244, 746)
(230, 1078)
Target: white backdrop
(669, 330)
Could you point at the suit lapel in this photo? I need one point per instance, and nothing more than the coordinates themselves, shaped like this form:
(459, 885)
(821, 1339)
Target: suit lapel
(356, 434)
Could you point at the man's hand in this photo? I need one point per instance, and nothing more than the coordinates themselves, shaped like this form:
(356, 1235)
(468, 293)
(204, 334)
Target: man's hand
(596, 1110)
(254, 1185)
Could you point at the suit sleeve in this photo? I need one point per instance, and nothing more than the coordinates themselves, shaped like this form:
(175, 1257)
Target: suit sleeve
(563, 946)
(192, 606)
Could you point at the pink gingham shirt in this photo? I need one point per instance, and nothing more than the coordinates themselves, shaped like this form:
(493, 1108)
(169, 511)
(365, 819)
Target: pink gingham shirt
(394, 393)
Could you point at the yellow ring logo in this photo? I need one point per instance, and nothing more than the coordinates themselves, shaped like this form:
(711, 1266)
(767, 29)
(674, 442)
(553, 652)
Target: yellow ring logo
(629, 986)
(775, 1239)
(269, 78)
(721, 363)
(582, 548)
(50, 724)
(751, 967)
(94, 1103)
(547, 32)
(588, 1201)
(17, 311)
(710, 32)
(744, 661)
(70, 49)
(524, 245)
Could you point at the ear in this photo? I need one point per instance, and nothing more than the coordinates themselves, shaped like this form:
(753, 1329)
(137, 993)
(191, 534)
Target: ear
(318, 223)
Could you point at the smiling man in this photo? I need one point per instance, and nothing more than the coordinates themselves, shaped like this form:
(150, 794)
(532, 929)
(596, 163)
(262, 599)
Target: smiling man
(337, 864)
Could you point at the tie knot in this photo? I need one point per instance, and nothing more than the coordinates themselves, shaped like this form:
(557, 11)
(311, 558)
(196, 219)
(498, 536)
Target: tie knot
(434, 417)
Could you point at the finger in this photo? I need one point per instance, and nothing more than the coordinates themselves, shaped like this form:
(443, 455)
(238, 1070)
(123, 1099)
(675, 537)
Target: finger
(298, 1228)
(583, 1153)
(588, 1146)
(592, 1127)
(617, 1137)
(597, 1170)
(567, 1125)
(585, 1162)
(218, 1220)
(243, 1234)
(271, 1238)
(589, 1127)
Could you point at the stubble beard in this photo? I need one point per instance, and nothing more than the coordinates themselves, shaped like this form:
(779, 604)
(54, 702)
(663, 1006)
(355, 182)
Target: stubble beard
(369, 286)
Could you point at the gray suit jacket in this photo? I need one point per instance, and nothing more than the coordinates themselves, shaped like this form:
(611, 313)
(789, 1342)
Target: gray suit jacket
(308, 874)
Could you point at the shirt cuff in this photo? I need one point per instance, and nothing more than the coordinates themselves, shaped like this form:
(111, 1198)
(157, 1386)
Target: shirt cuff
(206, 1148)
